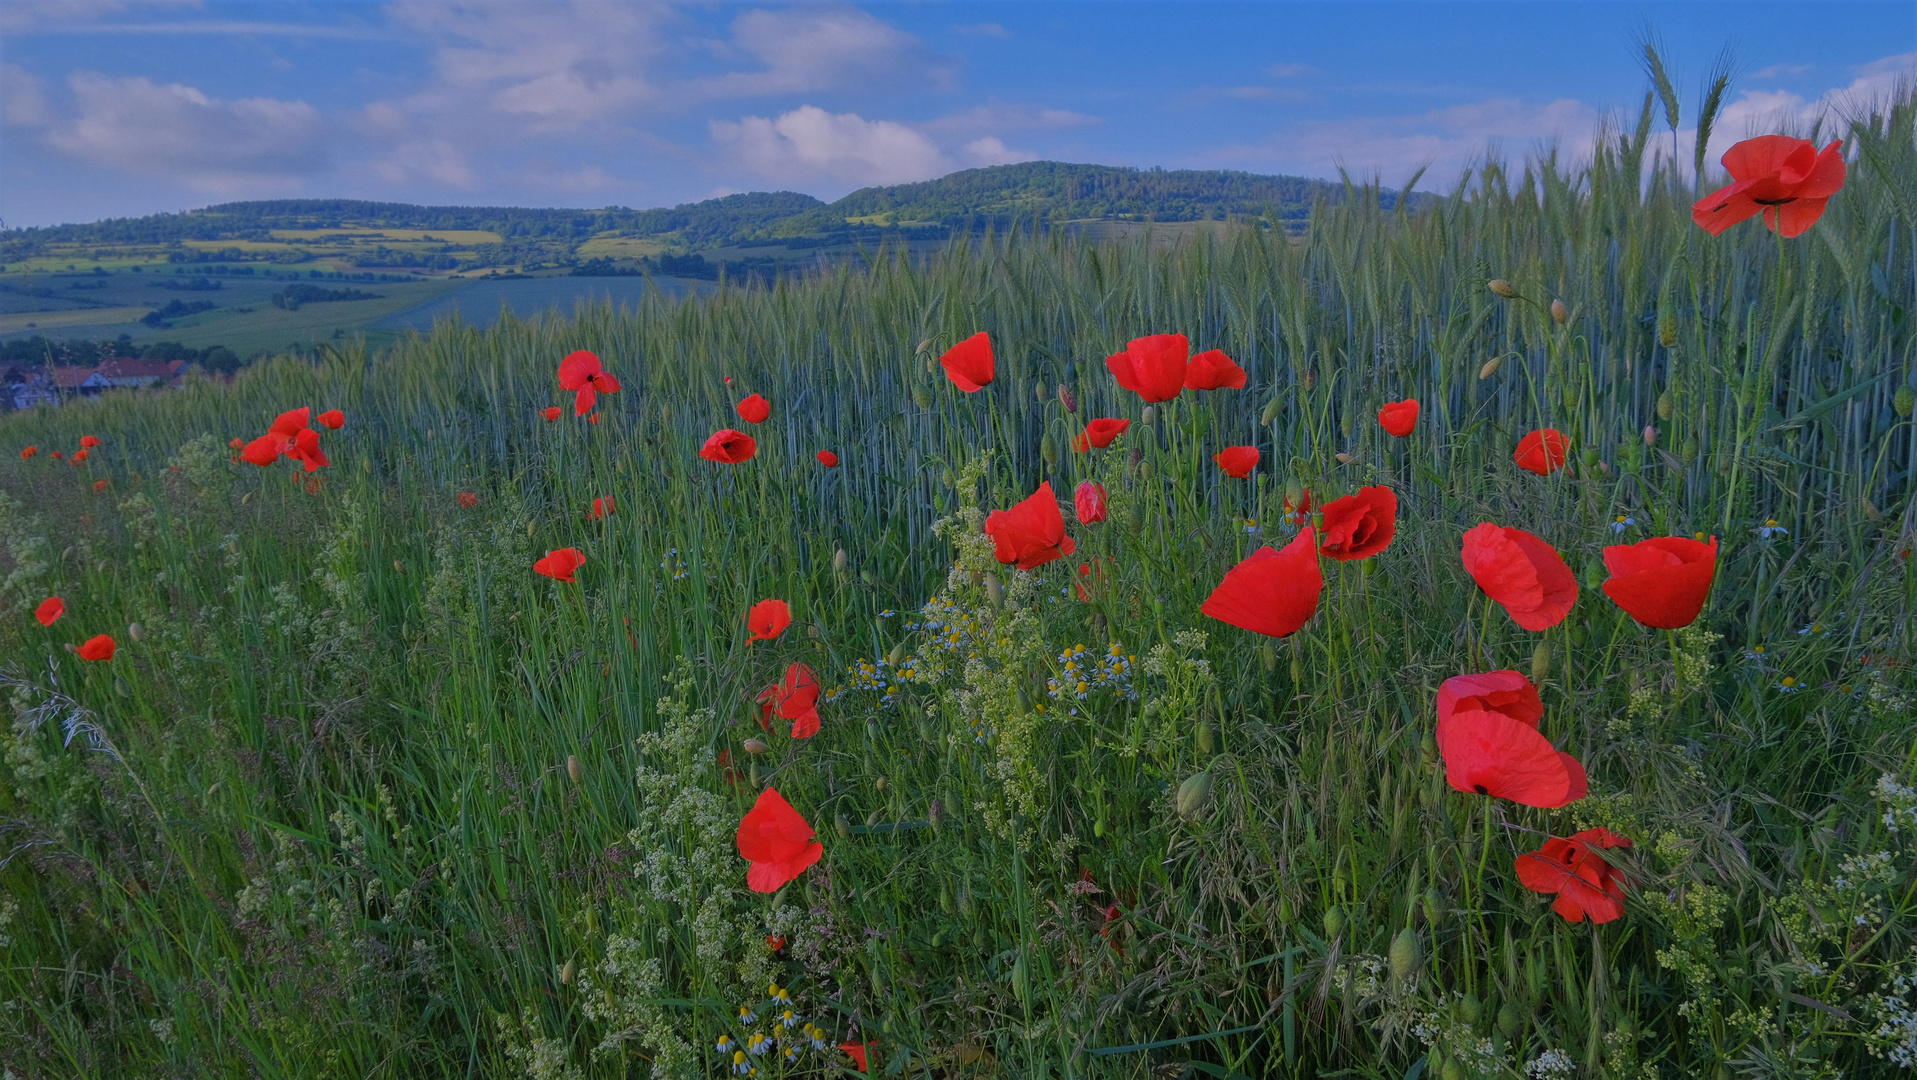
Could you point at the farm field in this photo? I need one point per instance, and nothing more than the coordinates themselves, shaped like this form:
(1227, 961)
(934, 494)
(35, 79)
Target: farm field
(498, 742)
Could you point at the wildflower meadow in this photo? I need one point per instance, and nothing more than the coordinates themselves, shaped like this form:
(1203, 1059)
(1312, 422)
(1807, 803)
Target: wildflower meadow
(1469, 639)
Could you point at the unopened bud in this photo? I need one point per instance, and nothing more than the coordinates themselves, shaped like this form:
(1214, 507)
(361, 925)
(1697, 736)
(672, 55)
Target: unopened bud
(398, 567)
(1297, 669)
(1269, 657)
(1334, 922)
(1067, 398)
(568, 973)
(935, 813)
(1650, 435)
(994, 592)
(815, 632)
(529, 529)
(1048, 449)
(1490, 367)
(1038, 390)
(574, 769)
(1501, 287)
(839, 560)
(133, 631)
(1666, 404)
(1148, 417)
(897, 654)
(1510, 1020)
(1407, 953)
(1434, 906)
(1271, 410)
(756, 746)
(1193, 795)
(1345, 459)
(922, 396)
(1559, 313)
(246, 498)
(1589, 455)
(1541, 662)
(843, 827)
(1904, 401)
(922, 346)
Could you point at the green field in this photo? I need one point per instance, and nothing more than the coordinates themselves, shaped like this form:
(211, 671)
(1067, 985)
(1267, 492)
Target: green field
(363, 795)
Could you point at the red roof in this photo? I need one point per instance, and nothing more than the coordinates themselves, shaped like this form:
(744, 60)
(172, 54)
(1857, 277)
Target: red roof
(119, 367)
(72, 378)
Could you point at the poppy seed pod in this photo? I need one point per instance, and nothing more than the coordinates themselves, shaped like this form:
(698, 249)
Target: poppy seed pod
(1490, 367)
(1407, 953)
(1559, 313)
(1067, 398)
(574, 769)
(1541, 662)
(1193, 795)
(1503, 288)
(1334, 922)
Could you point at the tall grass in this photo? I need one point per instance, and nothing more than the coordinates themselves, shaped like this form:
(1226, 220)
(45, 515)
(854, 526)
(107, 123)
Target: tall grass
(365, 797)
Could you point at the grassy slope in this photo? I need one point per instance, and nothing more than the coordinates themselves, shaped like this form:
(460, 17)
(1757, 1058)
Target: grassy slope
(386, 801)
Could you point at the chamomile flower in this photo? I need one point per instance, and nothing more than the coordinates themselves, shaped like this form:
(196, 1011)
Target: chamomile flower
(1771, 528)
(746, 1015)
(739, 1063)
(1622, 523)
(725, 1044)
(1816, 628)
(1790, 685)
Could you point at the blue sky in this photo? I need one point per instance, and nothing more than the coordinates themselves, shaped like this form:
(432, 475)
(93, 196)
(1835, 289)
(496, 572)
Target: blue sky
(123, 107)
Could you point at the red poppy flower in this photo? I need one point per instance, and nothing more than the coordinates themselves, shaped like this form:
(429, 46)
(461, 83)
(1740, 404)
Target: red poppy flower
(776, 841)
(88, 442)
(1032, 533)
(81, 455)
(50, 610)
(1360, 526)
(1523, 573)
(1091, 578)
(99, 647)
(828, 459)
(29, 452)
(1213, 370)
(755, 409)
(560, 565)
(1661, 582)
(551, 413)
(582, 373)
(306, 450)
(263, 451)
(768, 619)
(1099, 434)
(1787, 179)
(1542, 451)
(1489, 739)
(1152, 367)
(1089, 500)
(332, 418)
(969, 364)
(236, 443)
(467, 499)
(290, 423)
(601, 507)
(775, 942)
(99, 485)
(796, 698)
(1573, 868)
(1274, 591)
(729, 447)
(1237, 461)
(57, 455)
(1399, 418)
(857, 1052)
(1300, 512)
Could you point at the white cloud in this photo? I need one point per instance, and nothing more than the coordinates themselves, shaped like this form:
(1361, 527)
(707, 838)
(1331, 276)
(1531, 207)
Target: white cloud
(178, 132)
(1758, 112)
(809, 143)
(808, 50)
(1776, 71)
(27, 16)
(23, 99)
(997, 117)
(992, 151)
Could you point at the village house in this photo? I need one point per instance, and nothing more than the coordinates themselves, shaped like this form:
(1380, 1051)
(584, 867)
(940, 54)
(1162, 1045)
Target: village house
(27, 387)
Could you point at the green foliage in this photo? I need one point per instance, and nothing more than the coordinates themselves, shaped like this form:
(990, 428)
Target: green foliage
(363, 795)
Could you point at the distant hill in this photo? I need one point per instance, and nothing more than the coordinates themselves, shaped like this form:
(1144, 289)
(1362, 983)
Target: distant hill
(1000, 196)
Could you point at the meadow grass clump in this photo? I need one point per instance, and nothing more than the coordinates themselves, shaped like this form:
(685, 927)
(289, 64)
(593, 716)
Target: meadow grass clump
(365, 796)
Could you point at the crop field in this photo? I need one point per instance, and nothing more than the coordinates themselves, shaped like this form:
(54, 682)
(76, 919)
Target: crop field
(377, 778)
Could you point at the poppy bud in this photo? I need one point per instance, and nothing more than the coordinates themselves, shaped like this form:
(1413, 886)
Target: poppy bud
(1490, 367)
(994, 592)
(1650, 435)
(1067, 398)
(843, 826)
(1334, 922)
(1501, 287)
(755, 746)
(1345, 459)
(1593, 573)
(1434, 907)
(868, 576)
(574, 769)
(838, 560)
(1407, 953)
(1144, 469)
(1666, 330)
(1269, 657)
(1559, 313)
(922, 396)
(568, 973)
(1271, 409)
(1204, 738)
(1048, 449)
(246, 498)
(1038, 390)
(133, 631)
(1510, 1020)
(398, 567)
(1541, 662)
(1149, 416)
(935, 813)
(1904, 401)
(1589, 456)
(1193, 795)
(1297, 669)
(529, 530)
(1471, 1009)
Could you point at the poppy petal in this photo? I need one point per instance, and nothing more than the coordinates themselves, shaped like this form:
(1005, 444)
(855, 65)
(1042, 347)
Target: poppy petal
(1272, 592)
